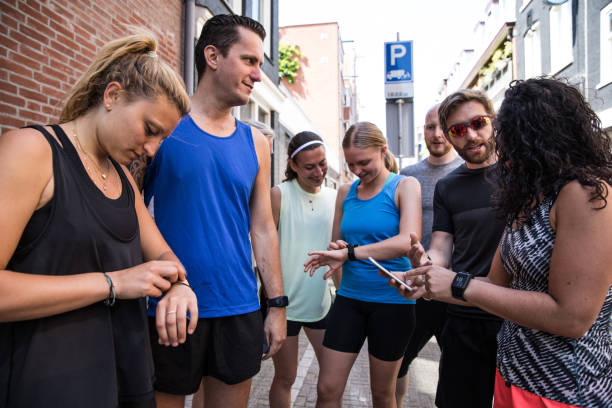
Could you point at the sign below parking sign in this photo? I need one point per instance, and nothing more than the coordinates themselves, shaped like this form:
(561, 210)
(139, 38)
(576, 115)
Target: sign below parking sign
(398, 70)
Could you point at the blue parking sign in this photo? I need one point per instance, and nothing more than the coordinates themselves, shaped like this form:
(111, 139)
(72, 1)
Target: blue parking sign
(398, 70)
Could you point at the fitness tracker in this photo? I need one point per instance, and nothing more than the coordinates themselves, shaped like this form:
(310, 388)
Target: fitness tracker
(280, 301)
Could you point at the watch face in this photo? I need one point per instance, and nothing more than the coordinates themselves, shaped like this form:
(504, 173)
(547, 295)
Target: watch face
(462, 280)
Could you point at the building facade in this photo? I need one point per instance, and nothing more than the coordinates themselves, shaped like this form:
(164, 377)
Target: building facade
(320, 88)
(569, 39)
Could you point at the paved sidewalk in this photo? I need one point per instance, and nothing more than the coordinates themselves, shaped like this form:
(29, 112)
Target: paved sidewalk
(422, 386)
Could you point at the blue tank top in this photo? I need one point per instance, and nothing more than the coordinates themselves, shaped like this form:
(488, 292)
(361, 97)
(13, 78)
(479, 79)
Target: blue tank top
(366, 222)
(200, 185)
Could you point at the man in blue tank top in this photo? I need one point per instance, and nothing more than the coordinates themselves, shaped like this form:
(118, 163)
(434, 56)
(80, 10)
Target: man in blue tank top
(209, 185)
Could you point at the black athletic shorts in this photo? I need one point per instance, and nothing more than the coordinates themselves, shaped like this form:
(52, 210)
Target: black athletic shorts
(294, 327)
(227, 348)
(430, 318)
(387, 326)
(467, 362)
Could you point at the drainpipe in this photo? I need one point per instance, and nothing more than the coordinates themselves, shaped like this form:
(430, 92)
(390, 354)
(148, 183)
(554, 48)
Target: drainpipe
(189, 35)
(586, 51)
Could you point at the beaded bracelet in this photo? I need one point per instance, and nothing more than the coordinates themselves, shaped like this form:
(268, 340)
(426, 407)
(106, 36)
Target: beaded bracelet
(111, 291)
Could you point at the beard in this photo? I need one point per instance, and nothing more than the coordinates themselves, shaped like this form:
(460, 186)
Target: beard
(481, 156)
(438, 150)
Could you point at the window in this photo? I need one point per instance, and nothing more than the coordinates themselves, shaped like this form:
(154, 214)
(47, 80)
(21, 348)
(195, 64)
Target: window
(235, 5)
(561, 51)
(263, 116)
(246, 111)
(261, 10)
(533, 54)
(606, 46)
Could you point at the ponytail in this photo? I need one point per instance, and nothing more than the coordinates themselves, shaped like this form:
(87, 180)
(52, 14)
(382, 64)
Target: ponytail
(132, 62)
(390, 162)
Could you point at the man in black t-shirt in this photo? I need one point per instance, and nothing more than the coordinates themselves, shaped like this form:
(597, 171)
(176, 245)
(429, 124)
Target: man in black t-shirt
(465, 234)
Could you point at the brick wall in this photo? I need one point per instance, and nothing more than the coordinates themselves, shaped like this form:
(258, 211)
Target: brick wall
(46, 45)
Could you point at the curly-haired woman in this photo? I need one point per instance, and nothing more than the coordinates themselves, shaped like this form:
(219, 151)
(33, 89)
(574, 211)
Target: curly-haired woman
(552, 274)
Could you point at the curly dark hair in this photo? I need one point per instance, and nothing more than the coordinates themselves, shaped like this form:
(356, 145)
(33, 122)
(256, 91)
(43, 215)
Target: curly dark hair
(546, 136)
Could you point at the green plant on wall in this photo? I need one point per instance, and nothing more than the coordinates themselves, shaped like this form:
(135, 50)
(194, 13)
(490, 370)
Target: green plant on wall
(289, 62)
(498, 60)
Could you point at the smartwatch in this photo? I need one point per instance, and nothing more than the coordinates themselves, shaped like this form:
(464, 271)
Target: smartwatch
(280, 301)
(351, 251)
(459, 284)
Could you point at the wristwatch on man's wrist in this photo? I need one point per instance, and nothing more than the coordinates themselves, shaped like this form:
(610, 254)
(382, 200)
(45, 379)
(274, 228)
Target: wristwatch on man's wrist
(461, 281)
(280, 301)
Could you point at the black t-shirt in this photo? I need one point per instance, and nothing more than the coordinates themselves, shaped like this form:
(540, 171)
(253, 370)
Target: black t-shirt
(463, 208)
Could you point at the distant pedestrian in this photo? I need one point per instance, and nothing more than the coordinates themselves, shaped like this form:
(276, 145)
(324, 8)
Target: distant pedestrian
(430, 316)
(551, 278)
(303, 211)
(210, 184)
(374, 218)
(79, 250)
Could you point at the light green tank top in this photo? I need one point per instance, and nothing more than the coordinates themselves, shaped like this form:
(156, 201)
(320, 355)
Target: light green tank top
(305, 224)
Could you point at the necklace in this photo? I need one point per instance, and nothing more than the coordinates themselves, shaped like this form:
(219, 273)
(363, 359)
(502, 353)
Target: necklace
(89, 159)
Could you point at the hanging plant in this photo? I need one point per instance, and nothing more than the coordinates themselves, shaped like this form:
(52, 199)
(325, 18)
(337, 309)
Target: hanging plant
(289, 62)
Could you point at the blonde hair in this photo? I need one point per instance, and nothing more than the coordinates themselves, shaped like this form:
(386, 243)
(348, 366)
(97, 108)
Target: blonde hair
(367, 135)
(133, 63)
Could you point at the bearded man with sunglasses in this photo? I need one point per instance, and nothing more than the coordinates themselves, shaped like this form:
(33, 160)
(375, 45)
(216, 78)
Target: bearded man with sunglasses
(466, 232)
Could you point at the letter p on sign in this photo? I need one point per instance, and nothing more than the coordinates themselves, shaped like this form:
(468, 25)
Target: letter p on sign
(397, 51)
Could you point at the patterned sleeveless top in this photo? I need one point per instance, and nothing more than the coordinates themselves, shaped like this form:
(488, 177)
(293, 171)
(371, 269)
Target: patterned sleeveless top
(571, 371)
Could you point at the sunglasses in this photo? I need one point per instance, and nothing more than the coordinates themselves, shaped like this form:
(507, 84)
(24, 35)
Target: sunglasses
(476, 123)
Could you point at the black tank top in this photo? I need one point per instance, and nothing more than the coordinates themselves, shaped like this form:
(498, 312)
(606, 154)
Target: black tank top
(96, 356)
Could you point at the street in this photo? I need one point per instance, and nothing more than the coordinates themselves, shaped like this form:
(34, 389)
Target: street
(422, 385)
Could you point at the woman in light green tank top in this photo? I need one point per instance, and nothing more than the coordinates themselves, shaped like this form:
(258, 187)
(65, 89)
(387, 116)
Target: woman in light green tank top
(303, 211)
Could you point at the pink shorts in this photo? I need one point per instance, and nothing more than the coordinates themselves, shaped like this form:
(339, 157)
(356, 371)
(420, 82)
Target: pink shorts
(514, 397)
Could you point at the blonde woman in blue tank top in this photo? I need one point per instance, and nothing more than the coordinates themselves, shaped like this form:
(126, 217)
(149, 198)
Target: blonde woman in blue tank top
(374, 217)
(303, 211)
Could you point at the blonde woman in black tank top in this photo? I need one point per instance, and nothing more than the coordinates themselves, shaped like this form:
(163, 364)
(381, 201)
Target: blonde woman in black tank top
(79, 251)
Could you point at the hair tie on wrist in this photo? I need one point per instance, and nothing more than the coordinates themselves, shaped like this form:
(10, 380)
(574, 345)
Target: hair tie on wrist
(184, 283)
(111, 291)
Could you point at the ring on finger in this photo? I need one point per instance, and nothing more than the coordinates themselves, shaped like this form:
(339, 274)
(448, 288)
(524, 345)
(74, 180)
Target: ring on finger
(171, 312)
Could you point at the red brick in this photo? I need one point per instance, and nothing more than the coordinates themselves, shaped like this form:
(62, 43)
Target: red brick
(23, 60)
(12, 99)
(11, 122)
(51, 111)
(33, 106)
(61, 48)
(53, 92)
(9, 21)
(35, 55)
(24, 82)
(10, 65)
(34, 117)
(25, 40)
(62, 29)
(26, 93)
(35, 34)
(33, 13)
(7, 109)
(54, 73)
(47, 80)
(43, 29)
(8, 87)
(9, 43)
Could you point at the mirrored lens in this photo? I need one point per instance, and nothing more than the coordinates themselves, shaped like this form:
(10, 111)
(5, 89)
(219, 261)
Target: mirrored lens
(457, 130)
(479, 122)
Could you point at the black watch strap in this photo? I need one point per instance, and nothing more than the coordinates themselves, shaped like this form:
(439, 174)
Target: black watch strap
(280, 301)
(351, 251)
(460, 283)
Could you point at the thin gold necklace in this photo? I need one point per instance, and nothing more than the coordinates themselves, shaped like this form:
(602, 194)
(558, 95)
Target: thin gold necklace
(88, 158)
